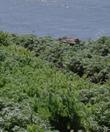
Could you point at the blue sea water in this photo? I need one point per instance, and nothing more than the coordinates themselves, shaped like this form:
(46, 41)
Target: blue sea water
(82, 18)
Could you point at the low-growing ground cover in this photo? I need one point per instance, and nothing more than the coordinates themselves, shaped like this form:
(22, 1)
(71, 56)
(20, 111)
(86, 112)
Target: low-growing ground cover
(48, 86)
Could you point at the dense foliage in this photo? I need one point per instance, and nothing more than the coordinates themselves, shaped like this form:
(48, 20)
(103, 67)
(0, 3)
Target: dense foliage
(47, 85)
(89, 59)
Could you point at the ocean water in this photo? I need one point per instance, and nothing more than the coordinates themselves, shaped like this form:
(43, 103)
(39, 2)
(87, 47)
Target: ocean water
(85, 19)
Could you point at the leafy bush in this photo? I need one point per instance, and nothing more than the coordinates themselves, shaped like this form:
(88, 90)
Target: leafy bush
(45, 91)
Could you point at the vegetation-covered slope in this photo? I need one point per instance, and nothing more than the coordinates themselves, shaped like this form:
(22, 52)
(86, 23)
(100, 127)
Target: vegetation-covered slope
(89, 59)
(46, 85)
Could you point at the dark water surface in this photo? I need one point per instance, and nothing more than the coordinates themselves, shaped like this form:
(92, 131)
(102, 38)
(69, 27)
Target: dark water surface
(82, 18)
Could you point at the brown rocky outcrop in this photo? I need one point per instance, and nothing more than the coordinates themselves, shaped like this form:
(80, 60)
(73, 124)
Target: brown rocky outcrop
(69, 40)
